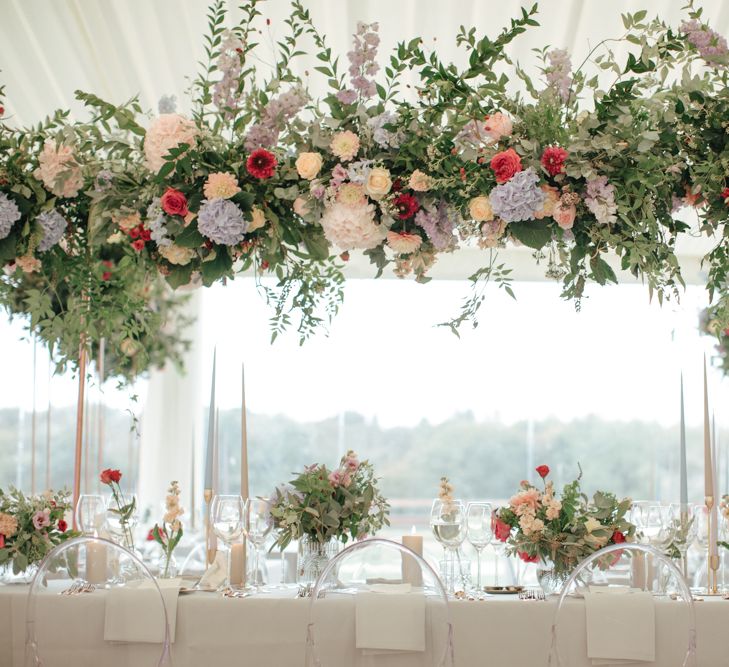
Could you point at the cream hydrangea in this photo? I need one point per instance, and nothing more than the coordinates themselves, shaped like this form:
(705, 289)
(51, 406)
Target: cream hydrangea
(166, 131)
(221, 185)
(345, 145)
(176, 254)
(350, 227)
(58, 169)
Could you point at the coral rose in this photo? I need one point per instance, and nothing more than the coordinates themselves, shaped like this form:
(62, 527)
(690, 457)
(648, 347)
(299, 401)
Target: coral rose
(505, 165)
(497, 125)
(173, 202)
(480, 209)
(378, 183)
(308, 165)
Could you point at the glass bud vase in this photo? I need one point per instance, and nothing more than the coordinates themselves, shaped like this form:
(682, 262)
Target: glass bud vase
(167, 568)
(313, 558)
(551, 579)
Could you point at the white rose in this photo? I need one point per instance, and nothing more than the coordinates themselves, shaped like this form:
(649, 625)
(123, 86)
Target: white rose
(378, 183)
(419, 181)
(480, 209)
(308, 165)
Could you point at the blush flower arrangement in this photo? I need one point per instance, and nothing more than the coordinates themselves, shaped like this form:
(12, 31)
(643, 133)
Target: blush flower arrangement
(559, 531)
(169, 534)
(341, 504)
(30, 526)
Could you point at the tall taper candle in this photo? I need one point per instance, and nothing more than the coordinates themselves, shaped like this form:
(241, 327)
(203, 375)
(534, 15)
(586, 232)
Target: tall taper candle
(708, 464)
(715, 508)
(244, 489)
(193, 482)
(211, 431)
(684, 481)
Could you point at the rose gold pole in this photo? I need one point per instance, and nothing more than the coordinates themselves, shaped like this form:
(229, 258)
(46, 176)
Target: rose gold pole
(34, 421)
(79, 426)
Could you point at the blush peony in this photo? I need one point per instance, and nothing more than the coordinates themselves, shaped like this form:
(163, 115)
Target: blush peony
(167, 131)
(497, 125)
(350, 227)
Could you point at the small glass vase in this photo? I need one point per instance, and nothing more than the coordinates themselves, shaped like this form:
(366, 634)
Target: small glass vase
(550, 578)
(166, 568)
(313, 558)
(9, 578)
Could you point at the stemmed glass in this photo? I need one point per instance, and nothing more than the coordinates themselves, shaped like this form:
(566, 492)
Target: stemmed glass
(227, 515)
(499, 548)
(478, 525)
(448, 523)
(660, 529)
(90, 513)
(686, 523)
(257, 525)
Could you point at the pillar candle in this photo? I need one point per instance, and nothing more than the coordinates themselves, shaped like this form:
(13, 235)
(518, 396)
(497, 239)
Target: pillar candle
(637, 570)
(411, 571)
(684, 479)
(237, 564)
(95, 563)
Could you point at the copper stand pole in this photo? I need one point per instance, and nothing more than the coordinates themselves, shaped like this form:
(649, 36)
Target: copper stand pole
(79, 426)
(709, 502)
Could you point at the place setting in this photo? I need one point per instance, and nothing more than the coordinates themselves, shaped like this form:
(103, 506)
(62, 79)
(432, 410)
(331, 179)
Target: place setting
(375, 334)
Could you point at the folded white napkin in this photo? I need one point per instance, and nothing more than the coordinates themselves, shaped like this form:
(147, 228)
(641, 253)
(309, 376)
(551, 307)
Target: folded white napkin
(621, 625)
(134, 613)
(390, 617)
(217, 572)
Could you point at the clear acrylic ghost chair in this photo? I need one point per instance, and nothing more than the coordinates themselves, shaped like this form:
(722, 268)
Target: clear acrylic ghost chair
(379, 604)
(608, 556)
(68, 598)
(195, 562)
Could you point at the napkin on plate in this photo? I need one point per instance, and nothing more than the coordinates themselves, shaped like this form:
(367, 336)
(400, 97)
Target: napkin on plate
(134, 614)
(217, 572)
(390, 617)
(621, 626)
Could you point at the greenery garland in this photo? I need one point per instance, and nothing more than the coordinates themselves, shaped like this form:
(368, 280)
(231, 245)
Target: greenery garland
(588, 163)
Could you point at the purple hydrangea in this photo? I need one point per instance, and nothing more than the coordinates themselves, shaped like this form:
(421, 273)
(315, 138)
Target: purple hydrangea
(600, 199)
(383, 137)
(711, 45)
(221, 221)
(559, 73)
(519, 198)
(439, 222)
(9, 214)
(156, 223)
(53, 225)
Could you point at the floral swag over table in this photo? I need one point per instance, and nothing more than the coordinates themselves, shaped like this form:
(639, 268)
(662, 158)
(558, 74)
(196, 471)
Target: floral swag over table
(589, 161)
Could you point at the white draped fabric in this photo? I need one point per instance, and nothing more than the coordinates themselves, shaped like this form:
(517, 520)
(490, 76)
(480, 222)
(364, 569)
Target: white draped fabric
(269, 631)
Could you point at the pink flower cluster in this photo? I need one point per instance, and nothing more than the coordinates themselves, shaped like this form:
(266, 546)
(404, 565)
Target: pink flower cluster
(362, 63)
(559, 73)
(710, 44)
(344, 474)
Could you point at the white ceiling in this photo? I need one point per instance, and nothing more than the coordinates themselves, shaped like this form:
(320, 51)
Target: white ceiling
(121, 48)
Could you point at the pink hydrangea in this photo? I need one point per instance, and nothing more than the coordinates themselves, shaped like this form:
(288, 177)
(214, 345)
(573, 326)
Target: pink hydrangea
(58, 169)
(166, 132)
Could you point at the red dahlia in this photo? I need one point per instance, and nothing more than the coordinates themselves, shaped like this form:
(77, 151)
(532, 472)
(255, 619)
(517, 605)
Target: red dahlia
(725, 195)
(407, 206)
(553, 159)
(261, 163)
(62, 525)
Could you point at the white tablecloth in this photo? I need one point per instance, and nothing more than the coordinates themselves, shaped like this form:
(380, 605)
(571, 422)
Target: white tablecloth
(269, 631)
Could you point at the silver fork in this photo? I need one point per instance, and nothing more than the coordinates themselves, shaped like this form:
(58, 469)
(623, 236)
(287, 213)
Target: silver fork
(79, 587)
(532, 594)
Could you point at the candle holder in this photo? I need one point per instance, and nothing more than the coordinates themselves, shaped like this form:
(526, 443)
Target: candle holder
(712, 561)
(209, 551)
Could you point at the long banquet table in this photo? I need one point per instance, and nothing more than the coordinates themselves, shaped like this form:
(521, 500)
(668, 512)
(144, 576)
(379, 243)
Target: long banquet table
(269, 631)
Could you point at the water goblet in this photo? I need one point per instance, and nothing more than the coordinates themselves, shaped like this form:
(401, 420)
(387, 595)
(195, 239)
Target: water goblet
(448, 523)
(90, 513)
(227, 516)
(478, 532)
(257, 525)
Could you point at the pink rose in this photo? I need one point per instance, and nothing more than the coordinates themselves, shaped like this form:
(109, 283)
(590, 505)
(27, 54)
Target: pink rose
(497, 125)
(335, 478)
(42, 518)
(564, 216)
(174, 202)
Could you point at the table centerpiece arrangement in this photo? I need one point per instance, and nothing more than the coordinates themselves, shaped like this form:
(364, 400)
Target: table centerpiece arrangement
(323, 508)
(558, 531)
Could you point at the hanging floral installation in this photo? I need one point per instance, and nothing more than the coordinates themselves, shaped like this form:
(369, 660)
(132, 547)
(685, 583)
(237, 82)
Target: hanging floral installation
(584, 163)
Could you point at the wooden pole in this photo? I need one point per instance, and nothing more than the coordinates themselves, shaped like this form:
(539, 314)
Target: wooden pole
(79, 426)
(48, 426)
(34, 421)
(101, 408)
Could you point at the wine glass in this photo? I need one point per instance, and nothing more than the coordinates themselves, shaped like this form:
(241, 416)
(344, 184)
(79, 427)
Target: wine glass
(257, 525)
(686, 522)
(478, 532)
(90, 513)
(448, 523)
(227, 516)
(660, 530)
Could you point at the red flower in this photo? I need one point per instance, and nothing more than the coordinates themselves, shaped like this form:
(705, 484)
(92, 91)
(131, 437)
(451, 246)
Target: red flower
(505, 165)
(2, 110)
(150, 535)
(261, 163)
(618, 537)
(553, 159)
(62, 525)
(344, 256)
(501, 529)
(145, 234)
(543, 471)
(174, 203)
(138, 245)
(106, 275)
(725, 195)
(2, 537)
(134, 232)
(397, 185)
(527, 558)
(407, 206)
(108, 476)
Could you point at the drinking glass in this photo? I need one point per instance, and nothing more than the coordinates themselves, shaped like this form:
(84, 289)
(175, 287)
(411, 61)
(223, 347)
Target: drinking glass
(120, 529)
(227, 516)
(686, 522)
(499, 549)
(256, 526)
(478, 532)
(90, 513)
(448, 523)
(660, 530)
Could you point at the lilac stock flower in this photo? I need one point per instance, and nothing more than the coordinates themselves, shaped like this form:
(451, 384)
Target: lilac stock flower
(9, 214)
(559, 73)
(347, 96)
(260, 136)
(362, 60)
(438, 222)
(53, 225)
(167, 104)
(711, 45)
(156, 224)
(383, 137)
(221, 221)
(600, 199)
(274, 117)
(225, 92)
(519, 198)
